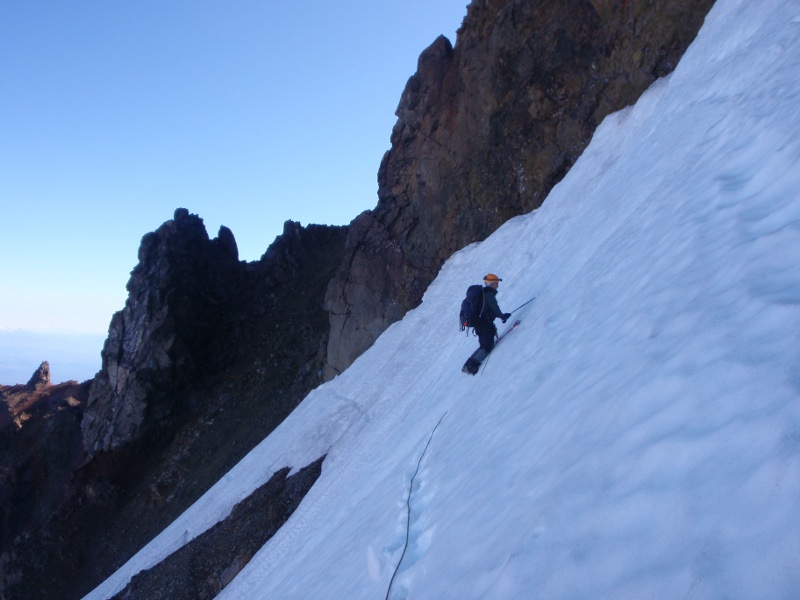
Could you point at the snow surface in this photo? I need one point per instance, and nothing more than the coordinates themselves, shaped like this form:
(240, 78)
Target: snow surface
(639, 435)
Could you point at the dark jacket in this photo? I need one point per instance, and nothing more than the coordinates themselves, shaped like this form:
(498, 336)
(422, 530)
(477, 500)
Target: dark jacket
(491, 310)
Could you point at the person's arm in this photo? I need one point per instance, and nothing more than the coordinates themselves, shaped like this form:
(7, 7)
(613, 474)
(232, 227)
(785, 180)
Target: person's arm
(495, 308)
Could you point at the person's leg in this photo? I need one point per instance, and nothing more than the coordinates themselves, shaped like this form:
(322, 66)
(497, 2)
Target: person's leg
(486, 332)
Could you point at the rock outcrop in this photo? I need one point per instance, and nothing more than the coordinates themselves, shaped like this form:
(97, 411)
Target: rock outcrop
(180, 296)
(484, 131)
(204, 566)
(208, 356)
(40, 377)
(40, 446)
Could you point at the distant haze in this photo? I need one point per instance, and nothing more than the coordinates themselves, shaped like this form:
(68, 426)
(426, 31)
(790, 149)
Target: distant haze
(71, 355)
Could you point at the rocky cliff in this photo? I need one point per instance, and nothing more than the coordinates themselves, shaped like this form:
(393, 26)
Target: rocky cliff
(180, 304)
(483, 133)
(208, 356)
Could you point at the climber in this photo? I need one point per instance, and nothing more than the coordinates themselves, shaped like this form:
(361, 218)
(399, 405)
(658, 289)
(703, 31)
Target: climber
(485, 327)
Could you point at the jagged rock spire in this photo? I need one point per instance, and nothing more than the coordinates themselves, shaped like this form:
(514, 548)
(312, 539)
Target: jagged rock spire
(40, 377)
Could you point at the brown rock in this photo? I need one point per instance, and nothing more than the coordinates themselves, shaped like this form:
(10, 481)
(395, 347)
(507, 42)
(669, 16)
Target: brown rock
(484, 132)
(40, 377)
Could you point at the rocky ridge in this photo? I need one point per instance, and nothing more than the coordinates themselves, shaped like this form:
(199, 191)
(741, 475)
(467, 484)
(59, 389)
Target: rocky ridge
(208, 356)
(164, 339)
(40, 444)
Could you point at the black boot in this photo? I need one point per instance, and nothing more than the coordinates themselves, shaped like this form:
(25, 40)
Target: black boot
(471, 366)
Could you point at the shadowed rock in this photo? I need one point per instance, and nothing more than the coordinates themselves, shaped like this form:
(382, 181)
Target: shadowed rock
(40, 377)
(204, 566)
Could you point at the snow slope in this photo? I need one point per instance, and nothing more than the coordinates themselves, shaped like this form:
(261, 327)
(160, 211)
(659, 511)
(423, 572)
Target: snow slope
(639, 435)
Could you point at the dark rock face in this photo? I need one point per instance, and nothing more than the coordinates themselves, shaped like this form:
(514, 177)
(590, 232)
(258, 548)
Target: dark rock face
(165, 337)
(40, 378)
(484, 132)
(189, 316)
(204, 566)
(40, 445)
(208, 356)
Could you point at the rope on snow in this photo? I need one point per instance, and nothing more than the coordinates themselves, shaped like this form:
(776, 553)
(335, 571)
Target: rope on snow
(408, 506)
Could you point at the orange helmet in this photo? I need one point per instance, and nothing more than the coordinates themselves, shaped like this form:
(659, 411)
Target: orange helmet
(492, 278)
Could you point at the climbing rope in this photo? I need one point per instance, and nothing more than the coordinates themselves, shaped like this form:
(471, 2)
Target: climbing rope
(408, 506)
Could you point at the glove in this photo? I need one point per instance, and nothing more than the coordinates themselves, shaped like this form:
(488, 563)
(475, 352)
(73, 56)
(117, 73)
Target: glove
(506, 317)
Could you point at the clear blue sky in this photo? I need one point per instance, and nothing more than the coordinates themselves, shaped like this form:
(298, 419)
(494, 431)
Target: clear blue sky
(113, 114)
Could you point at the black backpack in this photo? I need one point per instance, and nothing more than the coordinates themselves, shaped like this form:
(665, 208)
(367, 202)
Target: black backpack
(471, 307)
